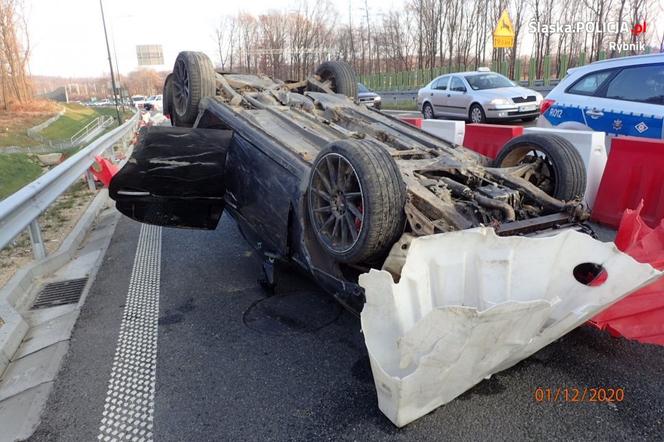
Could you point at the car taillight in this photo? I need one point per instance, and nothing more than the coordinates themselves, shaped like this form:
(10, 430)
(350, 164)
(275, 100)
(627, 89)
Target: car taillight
(546, 104)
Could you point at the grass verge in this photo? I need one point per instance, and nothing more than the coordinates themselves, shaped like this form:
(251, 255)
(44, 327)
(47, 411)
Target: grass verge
(15, 121)
(16, 170)
(408, 105)
(75, 117)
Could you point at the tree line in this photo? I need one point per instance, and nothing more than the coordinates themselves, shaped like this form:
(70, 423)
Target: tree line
(14, 54)
(429, 35)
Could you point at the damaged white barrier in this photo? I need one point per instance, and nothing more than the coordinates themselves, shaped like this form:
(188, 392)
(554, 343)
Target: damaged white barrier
(452, 131)
(591, 146)
(469, 304)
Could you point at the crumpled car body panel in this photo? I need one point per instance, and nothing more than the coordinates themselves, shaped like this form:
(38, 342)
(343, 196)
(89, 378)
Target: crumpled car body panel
(469, 304)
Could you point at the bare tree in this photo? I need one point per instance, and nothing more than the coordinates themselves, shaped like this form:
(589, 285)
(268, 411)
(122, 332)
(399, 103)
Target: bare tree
(14, 53)
(425, 34)
(226, 35)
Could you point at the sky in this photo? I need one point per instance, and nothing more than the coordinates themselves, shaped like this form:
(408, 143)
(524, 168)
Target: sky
(67, 36)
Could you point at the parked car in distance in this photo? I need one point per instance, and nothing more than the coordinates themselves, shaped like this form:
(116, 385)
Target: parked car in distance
(138, 101)
(478, 97)
(620, 96)
(368, 97)
(154, 102)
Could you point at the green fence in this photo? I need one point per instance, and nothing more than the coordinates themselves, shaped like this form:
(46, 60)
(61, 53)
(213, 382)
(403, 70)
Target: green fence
(523, 71)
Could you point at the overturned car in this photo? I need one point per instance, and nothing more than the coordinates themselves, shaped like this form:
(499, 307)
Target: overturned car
(313, 178)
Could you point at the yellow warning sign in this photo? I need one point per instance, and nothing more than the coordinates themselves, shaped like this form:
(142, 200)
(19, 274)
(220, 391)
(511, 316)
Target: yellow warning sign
(503, 35)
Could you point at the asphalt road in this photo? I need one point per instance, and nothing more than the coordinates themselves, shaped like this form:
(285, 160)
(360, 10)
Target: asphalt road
(235, 364)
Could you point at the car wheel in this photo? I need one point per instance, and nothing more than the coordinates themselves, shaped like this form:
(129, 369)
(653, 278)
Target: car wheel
(427, 112)
(167, 95)
(356, 199)
(476, 114)
(341, 77)
(559, 169)
(193, 80)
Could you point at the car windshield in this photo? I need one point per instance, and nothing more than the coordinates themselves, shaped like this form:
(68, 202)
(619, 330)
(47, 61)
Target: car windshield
(362, 88)
(487, 81)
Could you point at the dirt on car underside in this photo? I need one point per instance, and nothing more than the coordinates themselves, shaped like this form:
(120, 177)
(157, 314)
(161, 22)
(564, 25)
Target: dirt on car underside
(449, 187)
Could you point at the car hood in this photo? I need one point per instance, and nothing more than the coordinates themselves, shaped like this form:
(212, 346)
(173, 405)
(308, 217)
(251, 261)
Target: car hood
(366, 95)
(505, 92)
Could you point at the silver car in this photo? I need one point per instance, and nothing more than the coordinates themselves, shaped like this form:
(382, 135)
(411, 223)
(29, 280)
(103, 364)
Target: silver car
(478, 96)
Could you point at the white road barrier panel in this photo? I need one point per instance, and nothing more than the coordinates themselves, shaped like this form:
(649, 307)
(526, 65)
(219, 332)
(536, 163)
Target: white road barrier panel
(592, 149)
(454, 319)
(452, 131)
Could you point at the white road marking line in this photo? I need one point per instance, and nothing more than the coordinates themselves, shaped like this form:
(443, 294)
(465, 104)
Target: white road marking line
(129, 408)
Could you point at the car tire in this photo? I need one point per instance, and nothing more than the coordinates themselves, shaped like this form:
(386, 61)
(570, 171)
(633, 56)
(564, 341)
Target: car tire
(194, 78)
(476, 114)
(427, 112)
(565, 162)
(341, 75)
(379, 196)
(167, 95)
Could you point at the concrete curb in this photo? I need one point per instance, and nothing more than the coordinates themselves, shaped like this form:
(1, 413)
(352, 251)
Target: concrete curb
(17, 294)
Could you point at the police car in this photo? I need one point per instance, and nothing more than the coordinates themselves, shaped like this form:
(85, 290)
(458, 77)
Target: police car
(620, 96)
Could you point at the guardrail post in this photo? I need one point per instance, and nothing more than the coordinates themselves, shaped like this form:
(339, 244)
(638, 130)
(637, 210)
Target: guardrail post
(91, 180)
(38, 248)
(114, 158)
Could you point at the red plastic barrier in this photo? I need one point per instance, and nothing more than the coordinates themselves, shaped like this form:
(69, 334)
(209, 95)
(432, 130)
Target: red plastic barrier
(634, 172)
(417, 122)
(639, 316)
(105, 172)
(488, 139)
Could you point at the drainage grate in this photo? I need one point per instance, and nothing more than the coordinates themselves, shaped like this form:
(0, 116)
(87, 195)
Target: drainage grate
(60, 293)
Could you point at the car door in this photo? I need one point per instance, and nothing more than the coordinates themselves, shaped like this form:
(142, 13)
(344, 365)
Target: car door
(175, 177)
(632, 103)
(458, 99)
(439, 95)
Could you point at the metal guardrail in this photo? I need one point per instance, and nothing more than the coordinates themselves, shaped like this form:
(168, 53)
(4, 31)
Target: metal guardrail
(21, 209)
(96, 124)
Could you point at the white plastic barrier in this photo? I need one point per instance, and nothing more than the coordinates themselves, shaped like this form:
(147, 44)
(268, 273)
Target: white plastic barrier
(454, 319)
(593, 151)
(452, 131)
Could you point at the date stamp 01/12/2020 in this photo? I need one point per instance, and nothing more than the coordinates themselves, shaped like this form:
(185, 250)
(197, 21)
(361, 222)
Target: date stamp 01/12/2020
(579, 394)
